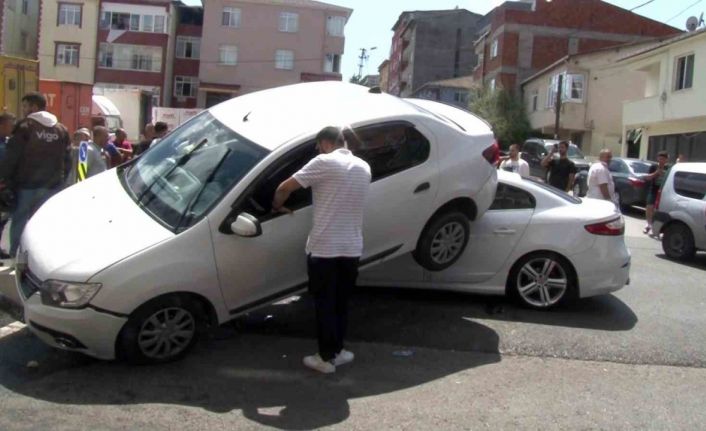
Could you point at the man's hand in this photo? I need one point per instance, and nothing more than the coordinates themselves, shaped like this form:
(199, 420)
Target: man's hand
(282, 194)
(282, 210)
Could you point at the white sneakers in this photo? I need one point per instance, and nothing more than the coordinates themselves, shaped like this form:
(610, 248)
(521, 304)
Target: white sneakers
(327, 367)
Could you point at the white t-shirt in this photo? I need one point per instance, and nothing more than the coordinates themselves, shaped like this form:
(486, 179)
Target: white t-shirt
(339, 183)
(519, 167)
(597, 175)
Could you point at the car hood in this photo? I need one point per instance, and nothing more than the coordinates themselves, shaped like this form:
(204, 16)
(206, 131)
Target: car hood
(86, 228)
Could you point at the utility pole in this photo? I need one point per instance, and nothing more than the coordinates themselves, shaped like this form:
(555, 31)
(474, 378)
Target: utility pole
(363, 59)
(557, 105)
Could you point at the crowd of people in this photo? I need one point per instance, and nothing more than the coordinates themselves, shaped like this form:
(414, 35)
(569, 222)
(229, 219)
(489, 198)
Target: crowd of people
(38, 158)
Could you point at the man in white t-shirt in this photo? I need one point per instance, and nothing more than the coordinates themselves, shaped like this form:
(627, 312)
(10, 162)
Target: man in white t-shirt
(600, 181)
(514, 163)
(339, 183)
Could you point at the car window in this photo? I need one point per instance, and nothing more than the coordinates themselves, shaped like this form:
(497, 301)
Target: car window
(575, 152)
(553, 190)
(541, 151)
(259, 201)
(690, 184)
(511, 198)
(640, 167)
(618, 166)
(389, 148)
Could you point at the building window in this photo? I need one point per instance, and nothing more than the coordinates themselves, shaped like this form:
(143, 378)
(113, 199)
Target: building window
(335, 25)
(67, 54)
(228, 55)
(186, 86)
(574, 88)
(69, 14)
(332, 63)
(25, 7)
(461, 98)
(284, 59)
(130, 57)
(231, 17)
(494, 47)
(534, 101)
(188, 47)
(289, 22)
(133, 22)
(684, 72)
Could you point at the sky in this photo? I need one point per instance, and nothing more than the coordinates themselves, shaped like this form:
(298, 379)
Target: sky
(372, 20)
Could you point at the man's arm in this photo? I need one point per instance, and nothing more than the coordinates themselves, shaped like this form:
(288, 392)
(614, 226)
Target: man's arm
(547, 160)
(570, 183)
(13, 153)
(524, 169)
(604, 191)
(282, 193)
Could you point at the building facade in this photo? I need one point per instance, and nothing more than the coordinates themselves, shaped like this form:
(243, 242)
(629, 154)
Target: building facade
(384, 71)
(136, 47)
(430, 46)
(454, 91)
(19, 27)
(252, 45)
(670, 114)
(520, 38)
(68, 40)
(187, 55)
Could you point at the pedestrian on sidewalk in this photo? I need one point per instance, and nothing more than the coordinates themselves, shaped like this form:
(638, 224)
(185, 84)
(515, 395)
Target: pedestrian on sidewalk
(86, 158)
(654, 181)
(514, 162)
(600, 181)
(562, 171)
(339, 182)
(35, 163)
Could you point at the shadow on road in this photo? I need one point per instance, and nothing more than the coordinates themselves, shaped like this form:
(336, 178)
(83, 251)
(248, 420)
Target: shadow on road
(263, 375)
(698, 262)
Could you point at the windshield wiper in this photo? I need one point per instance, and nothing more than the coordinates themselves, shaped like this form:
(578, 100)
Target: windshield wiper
(181, 162)
(194, 200)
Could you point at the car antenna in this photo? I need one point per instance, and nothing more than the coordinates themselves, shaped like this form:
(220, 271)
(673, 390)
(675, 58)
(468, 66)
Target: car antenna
(245, 118)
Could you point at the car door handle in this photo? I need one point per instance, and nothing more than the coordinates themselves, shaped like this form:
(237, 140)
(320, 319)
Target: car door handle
(504, 231)
(422, 187)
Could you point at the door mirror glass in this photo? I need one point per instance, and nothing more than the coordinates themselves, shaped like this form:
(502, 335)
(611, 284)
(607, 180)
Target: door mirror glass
(246, 226)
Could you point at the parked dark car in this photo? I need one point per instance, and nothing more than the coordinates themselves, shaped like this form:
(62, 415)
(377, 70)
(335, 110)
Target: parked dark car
(536, 149)
(628, 176)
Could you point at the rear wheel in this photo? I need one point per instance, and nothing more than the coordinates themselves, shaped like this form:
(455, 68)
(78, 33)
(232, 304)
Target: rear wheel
(678, 242)
(443, 241)
(542, 281)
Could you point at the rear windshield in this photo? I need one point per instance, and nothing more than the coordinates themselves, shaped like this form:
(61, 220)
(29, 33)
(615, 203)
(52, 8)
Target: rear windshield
(690, 184)
(640, 167)
(554, 191)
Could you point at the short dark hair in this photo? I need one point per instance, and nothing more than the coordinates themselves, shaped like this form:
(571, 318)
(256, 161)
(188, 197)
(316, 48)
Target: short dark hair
(564, 143)
(7, 117)
(161, 126)
(663, 154)
(36, 99)
(331, 133)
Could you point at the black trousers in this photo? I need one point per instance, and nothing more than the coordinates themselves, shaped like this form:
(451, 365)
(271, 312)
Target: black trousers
(331, 281)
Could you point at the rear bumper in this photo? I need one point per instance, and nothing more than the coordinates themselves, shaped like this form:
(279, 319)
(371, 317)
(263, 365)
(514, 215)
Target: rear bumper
(485, 196)
(603, 268)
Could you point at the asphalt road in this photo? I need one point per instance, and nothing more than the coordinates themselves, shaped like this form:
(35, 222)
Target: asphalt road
(632, 360)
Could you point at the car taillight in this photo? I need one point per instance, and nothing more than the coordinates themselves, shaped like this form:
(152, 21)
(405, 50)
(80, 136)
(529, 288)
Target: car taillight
(635, 182)
(615, 227)
(658, 198)
(492, 153)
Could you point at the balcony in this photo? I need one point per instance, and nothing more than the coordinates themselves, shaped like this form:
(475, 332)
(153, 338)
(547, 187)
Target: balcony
(572, 118)
(642, 111)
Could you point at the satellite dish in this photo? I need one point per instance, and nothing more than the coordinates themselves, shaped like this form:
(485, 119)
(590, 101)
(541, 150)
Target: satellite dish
(692, 23)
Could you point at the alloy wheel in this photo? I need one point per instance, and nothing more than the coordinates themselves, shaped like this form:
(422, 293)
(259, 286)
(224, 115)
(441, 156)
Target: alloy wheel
(447, 243)
(542, 282)
(166, 333)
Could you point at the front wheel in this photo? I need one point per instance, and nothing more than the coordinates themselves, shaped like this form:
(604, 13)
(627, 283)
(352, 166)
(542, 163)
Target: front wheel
(542, 281)
(443, 241)
(678, 242)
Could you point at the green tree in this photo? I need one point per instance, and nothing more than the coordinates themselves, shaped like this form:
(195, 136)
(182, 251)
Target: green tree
(505, 111)
(355, 79)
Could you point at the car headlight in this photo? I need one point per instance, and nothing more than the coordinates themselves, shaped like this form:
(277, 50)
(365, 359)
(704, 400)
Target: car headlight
(66, 294)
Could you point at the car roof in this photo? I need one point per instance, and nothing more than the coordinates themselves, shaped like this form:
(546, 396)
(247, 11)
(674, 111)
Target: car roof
(275, 116)
(690, 167)
(546, 142)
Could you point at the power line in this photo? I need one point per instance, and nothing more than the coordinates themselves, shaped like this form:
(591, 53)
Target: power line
(682, 12)
(643, 4)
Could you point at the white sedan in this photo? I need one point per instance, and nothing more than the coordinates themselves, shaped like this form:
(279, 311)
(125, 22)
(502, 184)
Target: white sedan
(535, 243)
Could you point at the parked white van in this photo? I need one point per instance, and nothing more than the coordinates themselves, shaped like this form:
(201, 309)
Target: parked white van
(132, 263)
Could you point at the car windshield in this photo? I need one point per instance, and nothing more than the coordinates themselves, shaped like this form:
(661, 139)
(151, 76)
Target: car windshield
(553, 190)
(640, 167)
(574, 151)
(186, 173)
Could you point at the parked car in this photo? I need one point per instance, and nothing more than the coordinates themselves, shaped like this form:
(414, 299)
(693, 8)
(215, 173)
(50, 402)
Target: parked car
(535, 149)
(135, 261)
(681, 211)
(630, 185)
(536, 243)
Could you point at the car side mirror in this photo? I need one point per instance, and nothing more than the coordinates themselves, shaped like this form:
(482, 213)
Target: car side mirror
(246, 225)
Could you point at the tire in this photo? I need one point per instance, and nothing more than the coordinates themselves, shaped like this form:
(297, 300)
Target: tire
(443, 241)
(530, 281)
(678, 242)
(143, 340)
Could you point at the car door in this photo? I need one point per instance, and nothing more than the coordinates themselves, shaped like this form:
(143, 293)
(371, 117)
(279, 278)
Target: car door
(404, 183)
(621, 177)
(690, 197)
(255, 270)
(493, 237)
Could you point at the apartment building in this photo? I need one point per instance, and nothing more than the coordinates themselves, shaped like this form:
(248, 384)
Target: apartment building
(431, 46)
(187, 56)
(519, 38)
(19, 27)
(251, 45)
(136, 47)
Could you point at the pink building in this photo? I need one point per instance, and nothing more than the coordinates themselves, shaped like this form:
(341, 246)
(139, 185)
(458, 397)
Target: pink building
(250, 45)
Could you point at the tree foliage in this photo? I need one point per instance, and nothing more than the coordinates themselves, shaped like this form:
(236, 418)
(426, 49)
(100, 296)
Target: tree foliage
(505, 111)
(355, 79)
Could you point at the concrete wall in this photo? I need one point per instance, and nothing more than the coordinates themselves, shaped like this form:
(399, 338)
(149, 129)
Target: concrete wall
(85, 35)
(15, 24)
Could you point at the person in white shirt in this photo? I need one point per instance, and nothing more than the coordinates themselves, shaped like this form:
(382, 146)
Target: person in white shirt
(339, 183)
(514, 163)
(600, 181)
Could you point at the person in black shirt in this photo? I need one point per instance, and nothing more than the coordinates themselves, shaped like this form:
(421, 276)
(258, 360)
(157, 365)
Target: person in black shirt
(562, 170)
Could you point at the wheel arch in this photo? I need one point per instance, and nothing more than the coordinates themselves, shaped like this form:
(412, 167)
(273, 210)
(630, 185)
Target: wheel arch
(515, 267)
